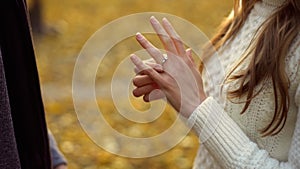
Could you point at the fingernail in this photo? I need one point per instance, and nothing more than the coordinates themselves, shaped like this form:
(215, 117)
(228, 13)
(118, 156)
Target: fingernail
(139, 36)
(133, 57)
(153, 19)
(165, 19)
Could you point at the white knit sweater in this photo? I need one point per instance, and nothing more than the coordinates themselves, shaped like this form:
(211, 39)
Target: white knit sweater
(231, 140)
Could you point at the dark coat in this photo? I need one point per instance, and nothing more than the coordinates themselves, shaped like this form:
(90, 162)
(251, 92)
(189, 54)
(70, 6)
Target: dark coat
(23, 134)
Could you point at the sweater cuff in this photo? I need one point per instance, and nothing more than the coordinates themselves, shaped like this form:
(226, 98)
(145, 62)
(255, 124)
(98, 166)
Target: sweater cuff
(218, 132)
(206, 118)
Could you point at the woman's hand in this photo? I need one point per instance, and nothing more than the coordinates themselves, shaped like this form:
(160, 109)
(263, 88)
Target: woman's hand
(177, 78)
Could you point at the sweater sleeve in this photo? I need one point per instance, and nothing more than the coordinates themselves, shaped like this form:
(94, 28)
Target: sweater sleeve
(230, 146)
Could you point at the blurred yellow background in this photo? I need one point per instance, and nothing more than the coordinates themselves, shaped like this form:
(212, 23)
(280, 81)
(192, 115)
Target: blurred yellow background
(69, 24)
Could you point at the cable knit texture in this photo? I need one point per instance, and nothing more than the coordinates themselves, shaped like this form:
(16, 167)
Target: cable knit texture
(232, 140)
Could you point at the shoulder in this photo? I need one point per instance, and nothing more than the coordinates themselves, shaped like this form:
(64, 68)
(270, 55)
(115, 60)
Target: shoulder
(293, 60)
(295, 47)
(293, 67)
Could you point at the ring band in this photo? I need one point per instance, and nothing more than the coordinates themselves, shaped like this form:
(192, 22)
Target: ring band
(165, 58)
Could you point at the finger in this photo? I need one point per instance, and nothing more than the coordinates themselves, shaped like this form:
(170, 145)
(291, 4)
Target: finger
(154, 95)
(137, 71)
(163, 36)
(190, 55)
(146, 69)
(152, 50)
(142, 80)
(140, 91)
(174, 37)
(155, 66)
(151, 60)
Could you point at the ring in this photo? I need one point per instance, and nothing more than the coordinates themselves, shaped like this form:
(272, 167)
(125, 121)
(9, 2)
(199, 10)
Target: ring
(165, 58)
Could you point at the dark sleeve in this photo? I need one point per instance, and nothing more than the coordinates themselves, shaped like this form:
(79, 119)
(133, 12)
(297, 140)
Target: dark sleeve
(23, 88)
(56, 156)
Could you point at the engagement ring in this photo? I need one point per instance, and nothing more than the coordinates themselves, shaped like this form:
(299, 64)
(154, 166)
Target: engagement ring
(165, 58)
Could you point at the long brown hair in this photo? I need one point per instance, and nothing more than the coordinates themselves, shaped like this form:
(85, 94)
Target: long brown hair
(267, 53)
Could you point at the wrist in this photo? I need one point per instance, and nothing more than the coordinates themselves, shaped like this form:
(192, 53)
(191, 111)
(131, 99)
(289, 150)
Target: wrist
(191, 107)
